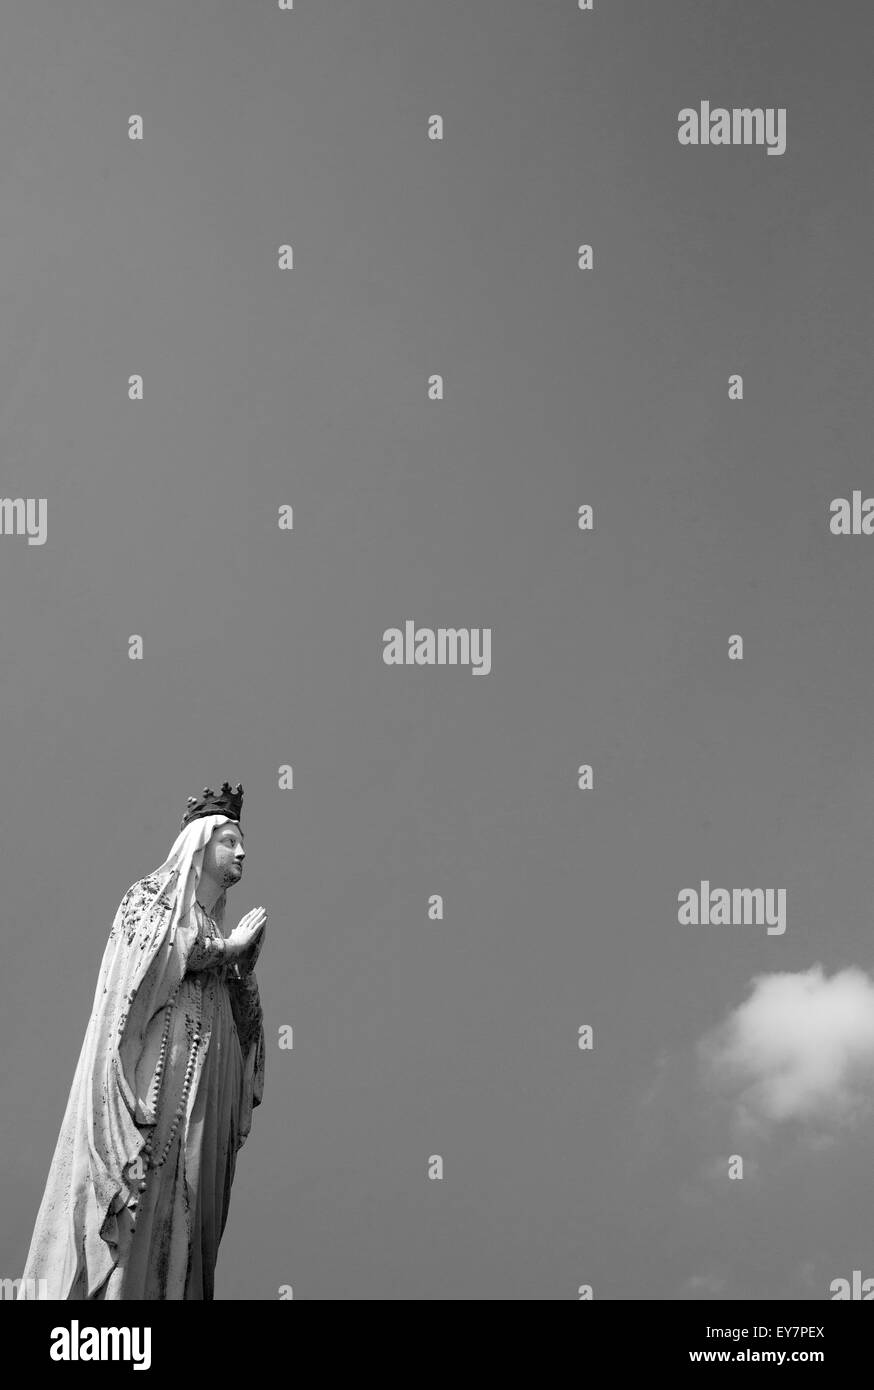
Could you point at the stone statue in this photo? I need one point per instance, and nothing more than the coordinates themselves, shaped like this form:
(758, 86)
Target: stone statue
(171, 1067)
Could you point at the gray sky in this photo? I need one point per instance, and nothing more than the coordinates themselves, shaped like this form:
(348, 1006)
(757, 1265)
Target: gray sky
(263, 647)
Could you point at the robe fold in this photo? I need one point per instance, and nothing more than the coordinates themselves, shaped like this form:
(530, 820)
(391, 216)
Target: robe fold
(85, 1243)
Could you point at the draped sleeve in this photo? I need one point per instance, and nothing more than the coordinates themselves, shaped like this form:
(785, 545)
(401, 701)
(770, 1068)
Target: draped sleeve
(249, 1019)
(206, 953)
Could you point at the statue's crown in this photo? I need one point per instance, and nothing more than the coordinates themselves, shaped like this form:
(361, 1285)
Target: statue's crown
(227, 802)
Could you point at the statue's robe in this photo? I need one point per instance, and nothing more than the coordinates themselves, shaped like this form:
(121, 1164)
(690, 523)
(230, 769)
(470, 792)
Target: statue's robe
(85, 1245)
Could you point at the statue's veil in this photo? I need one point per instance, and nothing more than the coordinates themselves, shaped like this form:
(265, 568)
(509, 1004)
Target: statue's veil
(76, 1239)
(186, 859)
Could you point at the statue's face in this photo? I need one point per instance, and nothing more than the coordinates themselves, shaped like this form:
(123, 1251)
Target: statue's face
(224, 854)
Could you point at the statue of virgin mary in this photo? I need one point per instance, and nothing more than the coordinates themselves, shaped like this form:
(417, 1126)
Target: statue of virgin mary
(170, 1070)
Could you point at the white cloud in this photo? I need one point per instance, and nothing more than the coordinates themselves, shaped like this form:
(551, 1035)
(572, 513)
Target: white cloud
(708, 1285)
(800, 1048)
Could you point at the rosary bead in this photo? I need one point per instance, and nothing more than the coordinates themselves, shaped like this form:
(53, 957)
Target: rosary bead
(188, 1079)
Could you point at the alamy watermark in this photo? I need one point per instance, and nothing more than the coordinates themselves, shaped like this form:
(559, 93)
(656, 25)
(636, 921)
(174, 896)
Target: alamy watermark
(33, 1289)
(742, 125)
(733, 907)
(18, 517)
(445, 646)
(75, 1343)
